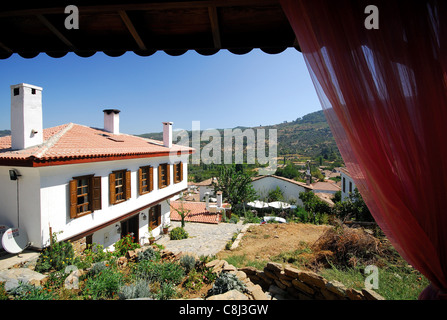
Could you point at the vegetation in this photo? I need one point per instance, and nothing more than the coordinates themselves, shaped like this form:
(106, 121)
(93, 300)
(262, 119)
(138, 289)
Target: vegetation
(178, 233)
(57, 256)
(226, 282)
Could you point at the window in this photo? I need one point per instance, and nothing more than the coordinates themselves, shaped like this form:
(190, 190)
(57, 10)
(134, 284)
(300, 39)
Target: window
(178, 172)
(163, 175)
(155, 216)
(119, 186)
(16, 91)
(85, 195)
(145, 179)
(344, 185)
(350, 186)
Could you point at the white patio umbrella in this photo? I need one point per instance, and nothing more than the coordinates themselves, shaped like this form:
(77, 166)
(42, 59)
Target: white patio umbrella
(279, 205)
(258, 204)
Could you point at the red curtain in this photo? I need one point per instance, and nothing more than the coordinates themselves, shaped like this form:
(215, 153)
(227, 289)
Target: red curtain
(384, 94)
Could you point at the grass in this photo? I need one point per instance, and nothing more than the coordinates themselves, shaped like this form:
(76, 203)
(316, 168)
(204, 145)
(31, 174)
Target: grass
(240, 261)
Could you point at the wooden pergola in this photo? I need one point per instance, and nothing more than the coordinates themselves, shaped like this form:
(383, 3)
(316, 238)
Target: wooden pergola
(144, 27)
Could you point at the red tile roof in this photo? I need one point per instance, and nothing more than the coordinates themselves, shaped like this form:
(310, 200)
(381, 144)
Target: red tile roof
(72, 143)
(197, 212)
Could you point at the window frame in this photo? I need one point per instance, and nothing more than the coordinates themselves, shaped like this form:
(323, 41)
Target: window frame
(126, 186)
(93, 195)
(178, 170)
(149, 172)
(167, 169)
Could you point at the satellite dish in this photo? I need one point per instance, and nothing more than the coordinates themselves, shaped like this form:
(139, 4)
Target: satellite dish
(3, 228)
(14, 240)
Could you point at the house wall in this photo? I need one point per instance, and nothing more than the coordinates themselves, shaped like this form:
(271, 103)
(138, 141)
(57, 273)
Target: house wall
(290, 190)
(45, 202)
(346, 180)
(205, 189)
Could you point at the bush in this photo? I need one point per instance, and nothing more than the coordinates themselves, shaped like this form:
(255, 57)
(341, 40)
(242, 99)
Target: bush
(125, 244)
(188, 263)
(160, 271)
(94, 253)
(57, 256)
(3, 293)
(102, 283)
(138, 289)
(166, 292)
(226, 282)
(26, 291)
(149, 255)
(178, 233)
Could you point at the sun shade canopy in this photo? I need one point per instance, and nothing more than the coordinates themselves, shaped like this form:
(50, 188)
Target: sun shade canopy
(144, 27)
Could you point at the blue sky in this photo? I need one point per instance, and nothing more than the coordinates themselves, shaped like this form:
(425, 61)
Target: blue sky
(221, 91)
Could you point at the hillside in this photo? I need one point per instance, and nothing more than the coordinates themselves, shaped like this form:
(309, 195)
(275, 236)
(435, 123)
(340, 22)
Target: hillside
(4, 133)
(309, 136)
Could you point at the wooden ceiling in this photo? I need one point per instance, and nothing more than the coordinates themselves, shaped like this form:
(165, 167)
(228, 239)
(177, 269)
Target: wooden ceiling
(144, 27)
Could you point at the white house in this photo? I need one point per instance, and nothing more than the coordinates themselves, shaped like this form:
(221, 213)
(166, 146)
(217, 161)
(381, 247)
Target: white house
(206, 186)
(347, 183)
(290, 188)
(84, 182)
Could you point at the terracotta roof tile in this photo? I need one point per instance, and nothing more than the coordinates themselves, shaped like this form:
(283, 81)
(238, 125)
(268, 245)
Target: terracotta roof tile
(197, 212)
(73, 141)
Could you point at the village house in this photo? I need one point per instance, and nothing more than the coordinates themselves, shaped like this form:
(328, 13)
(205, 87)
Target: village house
(347, 183)
(83, 182)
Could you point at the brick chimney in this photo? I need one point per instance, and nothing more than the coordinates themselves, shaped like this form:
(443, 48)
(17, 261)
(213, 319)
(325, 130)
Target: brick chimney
(112, 120)
(26, 116)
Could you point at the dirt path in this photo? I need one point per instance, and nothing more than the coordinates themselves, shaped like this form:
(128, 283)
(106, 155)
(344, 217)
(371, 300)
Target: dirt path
(264, 241)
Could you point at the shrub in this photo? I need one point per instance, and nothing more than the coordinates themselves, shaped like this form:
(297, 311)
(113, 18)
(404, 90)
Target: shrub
(3, 293)
(226, 282)
(195, 281)
(188, 263)
(138, 289)
(159, 271)
(149, 255)
(178, 233)
(57, 256)
(103, 284)
(26, 291)
(166, 292)
(94, 253)
(125, 244)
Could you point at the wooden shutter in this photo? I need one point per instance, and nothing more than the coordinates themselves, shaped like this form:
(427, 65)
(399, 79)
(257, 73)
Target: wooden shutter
(181, 171)
(140, 181)
(112, 194)
(96, 193)
(168, 171)
(159, 176)
(128, 191)
(158, 210)
(174, 169)
(151, 179)
(73, 186)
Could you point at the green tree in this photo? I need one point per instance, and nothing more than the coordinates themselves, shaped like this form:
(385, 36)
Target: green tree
(235, 185)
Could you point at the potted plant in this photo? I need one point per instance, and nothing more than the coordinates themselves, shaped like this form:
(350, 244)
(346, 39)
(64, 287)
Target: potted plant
(165, 228)
(151, 236)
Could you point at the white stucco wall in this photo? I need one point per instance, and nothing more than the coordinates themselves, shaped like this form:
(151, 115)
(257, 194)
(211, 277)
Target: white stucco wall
(44, 199)
(347, 179)
(290, 190)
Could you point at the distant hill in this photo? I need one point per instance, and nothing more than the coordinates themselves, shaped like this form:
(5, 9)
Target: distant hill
(5, 133)
(309, 136)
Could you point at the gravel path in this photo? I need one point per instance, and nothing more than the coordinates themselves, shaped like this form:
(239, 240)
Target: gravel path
(204, 239)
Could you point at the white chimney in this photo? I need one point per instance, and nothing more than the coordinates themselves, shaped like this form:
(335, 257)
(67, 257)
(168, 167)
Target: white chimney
(219, 199)
(207, 201)
(112, 120)
(167, 134)
(26, 116)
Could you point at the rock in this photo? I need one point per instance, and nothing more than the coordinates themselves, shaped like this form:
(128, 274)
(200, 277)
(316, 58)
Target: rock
(72, 281)
(312, 278)
(301, 286)
(248, 270)
(371, 295)
(328, 295)
(273, 266)
(275, 290)
(257, 293)
(241, 275)
(336, 287)
(284, 276)
(353, 294)
(131, 255)
(229, 268)
(291, 272)
(280, 284)
(270, 274)
(287, 283)
(12, 277)
(229, 295)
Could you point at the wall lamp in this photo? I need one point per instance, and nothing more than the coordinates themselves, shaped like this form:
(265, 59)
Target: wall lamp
(14, 174)
(143, 216)
(118, 228)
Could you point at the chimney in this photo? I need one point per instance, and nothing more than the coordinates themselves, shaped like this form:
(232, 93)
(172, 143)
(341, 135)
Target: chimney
(207, 201)
(219, 199)
(167, 134)
(112, 120)
(26, 116)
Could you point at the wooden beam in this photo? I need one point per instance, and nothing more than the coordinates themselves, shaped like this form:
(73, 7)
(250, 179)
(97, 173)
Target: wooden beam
(5, 48)
(53, 29)
(132, 29)
(215, 27)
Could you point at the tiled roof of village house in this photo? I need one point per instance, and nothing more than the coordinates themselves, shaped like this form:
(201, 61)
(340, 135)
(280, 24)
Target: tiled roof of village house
(71, 143)
(302, 184)
(197, 212)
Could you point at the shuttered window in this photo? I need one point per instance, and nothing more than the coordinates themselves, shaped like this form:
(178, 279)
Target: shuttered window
(119, 186)
(155, 216)
(85, 195)
(163, 175)
(145, 179)
(178, 172)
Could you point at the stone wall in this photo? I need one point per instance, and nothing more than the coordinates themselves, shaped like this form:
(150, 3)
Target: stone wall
(288, 282)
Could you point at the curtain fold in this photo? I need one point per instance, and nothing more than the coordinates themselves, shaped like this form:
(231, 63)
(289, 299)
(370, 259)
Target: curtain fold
(384, 94)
